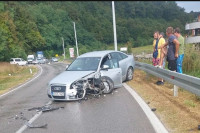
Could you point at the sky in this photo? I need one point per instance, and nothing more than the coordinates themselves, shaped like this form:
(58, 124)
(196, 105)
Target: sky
(189, 5)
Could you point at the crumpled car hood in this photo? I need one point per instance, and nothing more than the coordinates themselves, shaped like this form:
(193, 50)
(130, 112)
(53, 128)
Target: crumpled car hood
(68, 77)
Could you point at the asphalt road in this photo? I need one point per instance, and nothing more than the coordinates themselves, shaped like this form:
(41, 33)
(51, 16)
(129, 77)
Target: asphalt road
(113, 113)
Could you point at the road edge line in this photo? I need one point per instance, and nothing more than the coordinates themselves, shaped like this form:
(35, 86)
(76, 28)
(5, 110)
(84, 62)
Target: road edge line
(156, 123)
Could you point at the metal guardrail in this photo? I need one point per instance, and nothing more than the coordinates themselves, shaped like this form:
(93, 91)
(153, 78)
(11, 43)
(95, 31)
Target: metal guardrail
(187, 82)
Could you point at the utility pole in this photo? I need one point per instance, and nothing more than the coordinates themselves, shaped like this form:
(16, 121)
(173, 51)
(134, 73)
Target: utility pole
(63, 48)
(114, 26)
(76, 40)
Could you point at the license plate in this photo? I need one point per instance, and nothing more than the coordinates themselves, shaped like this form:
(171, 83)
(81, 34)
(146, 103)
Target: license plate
(58, 94)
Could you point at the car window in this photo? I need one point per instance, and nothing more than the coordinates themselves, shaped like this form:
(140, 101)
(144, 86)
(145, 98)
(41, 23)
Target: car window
(116, 55)
(111, 62)
(11, 59)
(85, 64)
(17, 60)
(123, 55)
(115, 63)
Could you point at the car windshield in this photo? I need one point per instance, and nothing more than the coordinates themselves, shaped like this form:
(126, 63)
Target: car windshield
(85, 64)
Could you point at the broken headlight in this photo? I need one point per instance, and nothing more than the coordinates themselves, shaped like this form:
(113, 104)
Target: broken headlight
(77, 84)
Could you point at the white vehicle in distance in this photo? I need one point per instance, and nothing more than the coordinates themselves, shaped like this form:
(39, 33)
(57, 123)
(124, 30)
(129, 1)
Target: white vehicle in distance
(41, 61)
(35, 61)
(30, 59)
(18, 61)
(54, 59)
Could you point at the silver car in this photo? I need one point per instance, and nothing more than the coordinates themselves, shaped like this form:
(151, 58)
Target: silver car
(98, 71)
(54, 59)
(41, 61)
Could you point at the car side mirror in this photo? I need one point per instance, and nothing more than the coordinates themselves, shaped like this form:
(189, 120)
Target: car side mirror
(105, 67)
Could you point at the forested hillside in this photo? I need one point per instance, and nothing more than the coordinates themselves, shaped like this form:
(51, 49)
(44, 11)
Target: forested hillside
(26, 27)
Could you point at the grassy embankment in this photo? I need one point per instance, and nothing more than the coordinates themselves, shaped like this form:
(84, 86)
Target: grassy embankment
(13, 75)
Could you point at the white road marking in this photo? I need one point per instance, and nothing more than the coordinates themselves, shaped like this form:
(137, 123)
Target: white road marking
(32, 120)
(41, 70)
(156, 123)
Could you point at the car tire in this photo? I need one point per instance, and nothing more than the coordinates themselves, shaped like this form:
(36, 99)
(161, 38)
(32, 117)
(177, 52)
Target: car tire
(108, 85)
(129, 74)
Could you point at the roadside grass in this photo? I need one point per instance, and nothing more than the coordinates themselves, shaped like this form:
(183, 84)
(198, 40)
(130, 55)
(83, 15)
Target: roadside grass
(144, 49)
(13, 75)
(178, 114)
(189, 103)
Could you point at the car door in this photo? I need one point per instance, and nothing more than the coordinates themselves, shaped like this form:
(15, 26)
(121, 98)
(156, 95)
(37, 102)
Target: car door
(18, 61)
(110, 68)
(23, 62)
(122, 63)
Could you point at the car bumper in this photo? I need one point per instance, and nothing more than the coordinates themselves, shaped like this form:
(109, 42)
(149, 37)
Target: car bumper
(61, 93)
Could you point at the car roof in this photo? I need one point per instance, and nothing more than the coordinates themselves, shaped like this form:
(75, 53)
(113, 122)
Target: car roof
(97, 53)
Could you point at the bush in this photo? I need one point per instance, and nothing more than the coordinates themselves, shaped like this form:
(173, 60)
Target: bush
(191, 63)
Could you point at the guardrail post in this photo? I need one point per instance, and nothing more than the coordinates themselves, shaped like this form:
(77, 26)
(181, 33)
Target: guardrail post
(175, 90)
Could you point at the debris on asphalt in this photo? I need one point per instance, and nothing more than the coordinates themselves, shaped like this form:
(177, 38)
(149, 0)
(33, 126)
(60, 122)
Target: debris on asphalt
(44, 108)
(21, 116)
(153, 109)
(49, 109)
(35, 108)
(17, 117)
(35, 126)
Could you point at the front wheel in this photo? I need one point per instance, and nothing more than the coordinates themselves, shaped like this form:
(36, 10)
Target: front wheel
(108, 86)
(129, 75)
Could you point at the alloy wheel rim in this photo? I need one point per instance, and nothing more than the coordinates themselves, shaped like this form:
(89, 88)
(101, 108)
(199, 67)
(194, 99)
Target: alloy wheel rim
(107, 88)
(130, 75)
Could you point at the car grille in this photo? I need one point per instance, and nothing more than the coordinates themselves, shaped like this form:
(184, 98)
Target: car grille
(55, 88)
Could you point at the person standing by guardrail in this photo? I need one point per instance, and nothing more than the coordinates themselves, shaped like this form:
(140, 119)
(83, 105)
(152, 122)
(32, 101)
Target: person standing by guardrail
(163, 52)
(173, 49)
(181, 49)
(156, 56)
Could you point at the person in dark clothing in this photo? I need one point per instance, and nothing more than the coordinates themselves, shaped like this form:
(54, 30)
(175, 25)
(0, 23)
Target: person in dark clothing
(173, 49)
